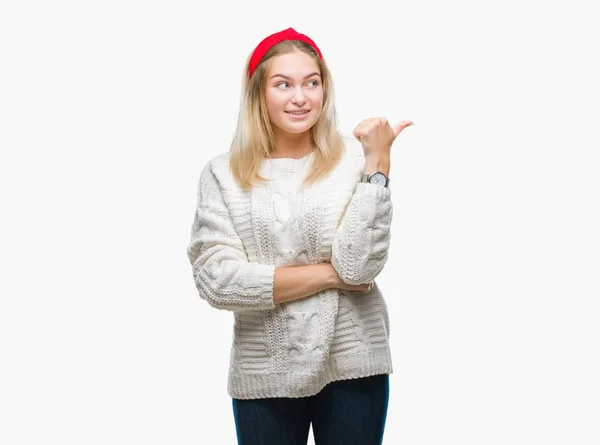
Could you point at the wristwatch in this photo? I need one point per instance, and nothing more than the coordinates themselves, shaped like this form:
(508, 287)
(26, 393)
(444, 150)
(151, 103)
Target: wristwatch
(376, 178)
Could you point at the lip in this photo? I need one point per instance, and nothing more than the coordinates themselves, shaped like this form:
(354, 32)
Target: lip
(301, 116)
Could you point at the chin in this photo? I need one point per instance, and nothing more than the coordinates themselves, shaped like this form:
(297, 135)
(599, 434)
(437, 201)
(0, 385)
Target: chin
(298, 130)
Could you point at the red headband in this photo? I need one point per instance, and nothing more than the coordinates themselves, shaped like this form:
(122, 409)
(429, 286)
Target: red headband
(269, 41)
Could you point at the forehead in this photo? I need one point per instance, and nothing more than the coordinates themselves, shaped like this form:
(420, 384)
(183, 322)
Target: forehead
(297, 65)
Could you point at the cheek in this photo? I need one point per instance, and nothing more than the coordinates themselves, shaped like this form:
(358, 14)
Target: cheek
(319, 98)
(275, 103)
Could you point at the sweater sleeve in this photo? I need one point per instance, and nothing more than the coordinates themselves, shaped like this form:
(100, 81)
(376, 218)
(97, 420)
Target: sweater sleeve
(222, 273)
(361, 241)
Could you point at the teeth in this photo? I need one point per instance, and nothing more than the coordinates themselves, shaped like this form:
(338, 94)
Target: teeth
(297, 113)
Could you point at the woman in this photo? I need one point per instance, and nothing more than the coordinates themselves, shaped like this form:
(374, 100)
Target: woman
(291, 228)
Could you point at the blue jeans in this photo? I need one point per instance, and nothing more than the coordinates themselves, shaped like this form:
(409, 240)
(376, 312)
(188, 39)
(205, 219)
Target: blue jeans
(346, 412)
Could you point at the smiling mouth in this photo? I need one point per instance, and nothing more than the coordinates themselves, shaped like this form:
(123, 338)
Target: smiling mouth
(297, 114)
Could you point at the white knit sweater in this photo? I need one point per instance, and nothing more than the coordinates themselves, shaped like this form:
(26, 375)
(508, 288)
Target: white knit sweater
(239, 237)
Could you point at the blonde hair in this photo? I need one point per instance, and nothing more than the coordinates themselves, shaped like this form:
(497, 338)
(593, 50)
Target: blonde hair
(253, 140)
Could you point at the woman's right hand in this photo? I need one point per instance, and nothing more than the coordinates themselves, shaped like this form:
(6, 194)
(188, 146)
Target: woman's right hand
(364, 288)
(337, 283)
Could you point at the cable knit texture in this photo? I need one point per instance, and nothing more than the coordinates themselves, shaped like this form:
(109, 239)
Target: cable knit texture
(239, 237)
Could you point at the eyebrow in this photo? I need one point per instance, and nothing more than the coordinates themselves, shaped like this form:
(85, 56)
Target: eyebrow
(289, 78)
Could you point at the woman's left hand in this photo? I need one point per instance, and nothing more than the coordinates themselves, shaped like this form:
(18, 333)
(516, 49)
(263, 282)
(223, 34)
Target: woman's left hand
(377, 136)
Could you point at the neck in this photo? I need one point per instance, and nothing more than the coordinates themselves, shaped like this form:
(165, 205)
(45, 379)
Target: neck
(290, 145)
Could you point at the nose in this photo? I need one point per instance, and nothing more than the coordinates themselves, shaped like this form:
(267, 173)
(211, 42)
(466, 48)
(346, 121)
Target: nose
(298, 97)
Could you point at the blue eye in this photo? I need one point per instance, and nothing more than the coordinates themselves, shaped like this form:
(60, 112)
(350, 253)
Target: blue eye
(316, 82)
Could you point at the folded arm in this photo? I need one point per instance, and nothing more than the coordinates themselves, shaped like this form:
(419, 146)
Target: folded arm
(222, 273)
(224, 276)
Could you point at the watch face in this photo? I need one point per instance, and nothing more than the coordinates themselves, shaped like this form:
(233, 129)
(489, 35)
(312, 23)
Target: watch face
(378, 178)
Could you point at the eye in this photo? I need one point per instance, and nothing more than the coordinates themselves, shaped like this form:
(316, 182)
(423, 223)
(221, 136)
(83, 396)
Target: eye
(316, 83)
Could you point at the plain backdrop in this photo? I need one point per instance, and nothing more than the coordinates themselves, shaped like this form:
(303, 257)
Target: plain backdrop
(109, 111)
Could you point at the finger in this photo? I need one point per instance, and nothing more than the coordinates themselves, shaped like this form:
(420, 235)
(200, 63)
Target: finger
(401, 126)
(359, 133)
